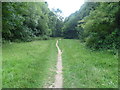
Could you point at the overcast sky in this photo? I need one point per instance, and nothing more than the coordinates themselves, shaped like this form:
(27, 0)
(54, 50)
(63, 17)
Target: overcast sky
(67, 6)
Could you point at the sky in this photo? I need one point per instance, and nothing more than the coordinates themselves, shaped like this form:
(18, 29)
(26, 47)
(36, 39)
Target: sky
(67, 6)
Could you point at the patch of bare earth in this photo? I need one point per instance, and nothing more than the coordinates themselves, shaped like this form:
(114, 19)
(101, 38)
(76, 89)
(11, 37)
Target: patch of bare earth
(58, 83)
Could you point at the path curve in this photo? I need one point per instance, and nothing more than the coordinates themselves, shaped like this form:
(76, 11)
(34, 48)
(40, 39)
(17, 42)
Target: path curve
(58, 77)
(58, 83)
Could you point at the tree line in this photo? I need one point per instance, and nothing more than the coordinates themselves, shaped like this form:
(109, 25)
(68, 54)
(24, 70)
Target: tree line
(95, 24)
(26, 21)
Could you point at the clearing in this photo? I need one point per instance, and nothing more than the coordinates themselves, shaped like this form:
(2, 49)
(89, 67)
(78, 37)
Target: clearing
(33, 65)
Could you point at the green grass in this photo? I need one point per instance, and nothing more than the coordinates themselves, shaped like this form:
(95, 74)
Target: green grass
(0, 65)
(33, 65)
(28, 65)
(83, 68)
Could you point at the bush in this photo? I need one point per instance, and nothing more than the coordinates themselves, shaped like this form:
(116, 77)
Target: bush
(45, 37)
(17, 40)
(92, 42)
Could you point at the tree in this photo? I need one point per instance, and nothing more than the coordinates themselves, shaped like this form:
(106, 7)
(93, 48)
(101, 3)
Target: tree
(101, 28)
(27, 20)
(71, 28)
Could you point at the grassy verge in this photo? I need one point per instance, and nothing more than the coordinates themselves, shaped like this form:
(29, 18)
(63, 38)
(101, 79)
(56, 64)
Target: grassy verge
(0, 65)
(83, 68)
(28, 65)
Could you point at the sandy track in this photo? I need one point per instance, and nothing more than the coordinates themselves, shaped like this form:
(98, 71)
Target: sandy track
(58, 83)
(58, 78)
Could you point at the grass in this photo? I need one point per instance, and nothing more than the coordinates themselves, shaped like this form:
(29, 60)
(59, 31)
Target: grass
(0, 65)
(28, 65)
(83, 68)
(33, 65)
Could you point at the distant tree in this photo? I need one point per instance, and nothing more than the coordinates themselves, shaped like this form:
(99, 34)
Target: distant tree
(71, 28)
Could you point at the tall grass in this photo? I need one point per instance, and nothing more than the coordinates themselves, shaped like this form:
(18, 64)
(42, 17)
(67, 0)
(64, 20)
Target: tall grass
(83, 68)
(33, 65)
(27, 65)
(0, 65)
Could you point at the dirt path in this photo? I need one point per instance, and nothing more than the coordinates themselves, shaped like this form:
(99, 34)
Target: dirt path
(58, 83)
(58, 77)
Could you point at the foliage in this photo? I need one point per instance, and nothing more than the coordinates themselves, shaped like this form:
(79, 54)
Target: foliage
(56, 22)
(26, 20)
(101, 27)
(97, 24)
(71, 28)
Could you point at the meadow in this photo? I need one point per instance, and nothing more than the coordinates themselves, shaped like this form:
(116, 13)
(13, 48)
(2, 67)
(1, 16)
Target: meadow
(28, 64)
(33, 65)
(83, 68)
(90, 48)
